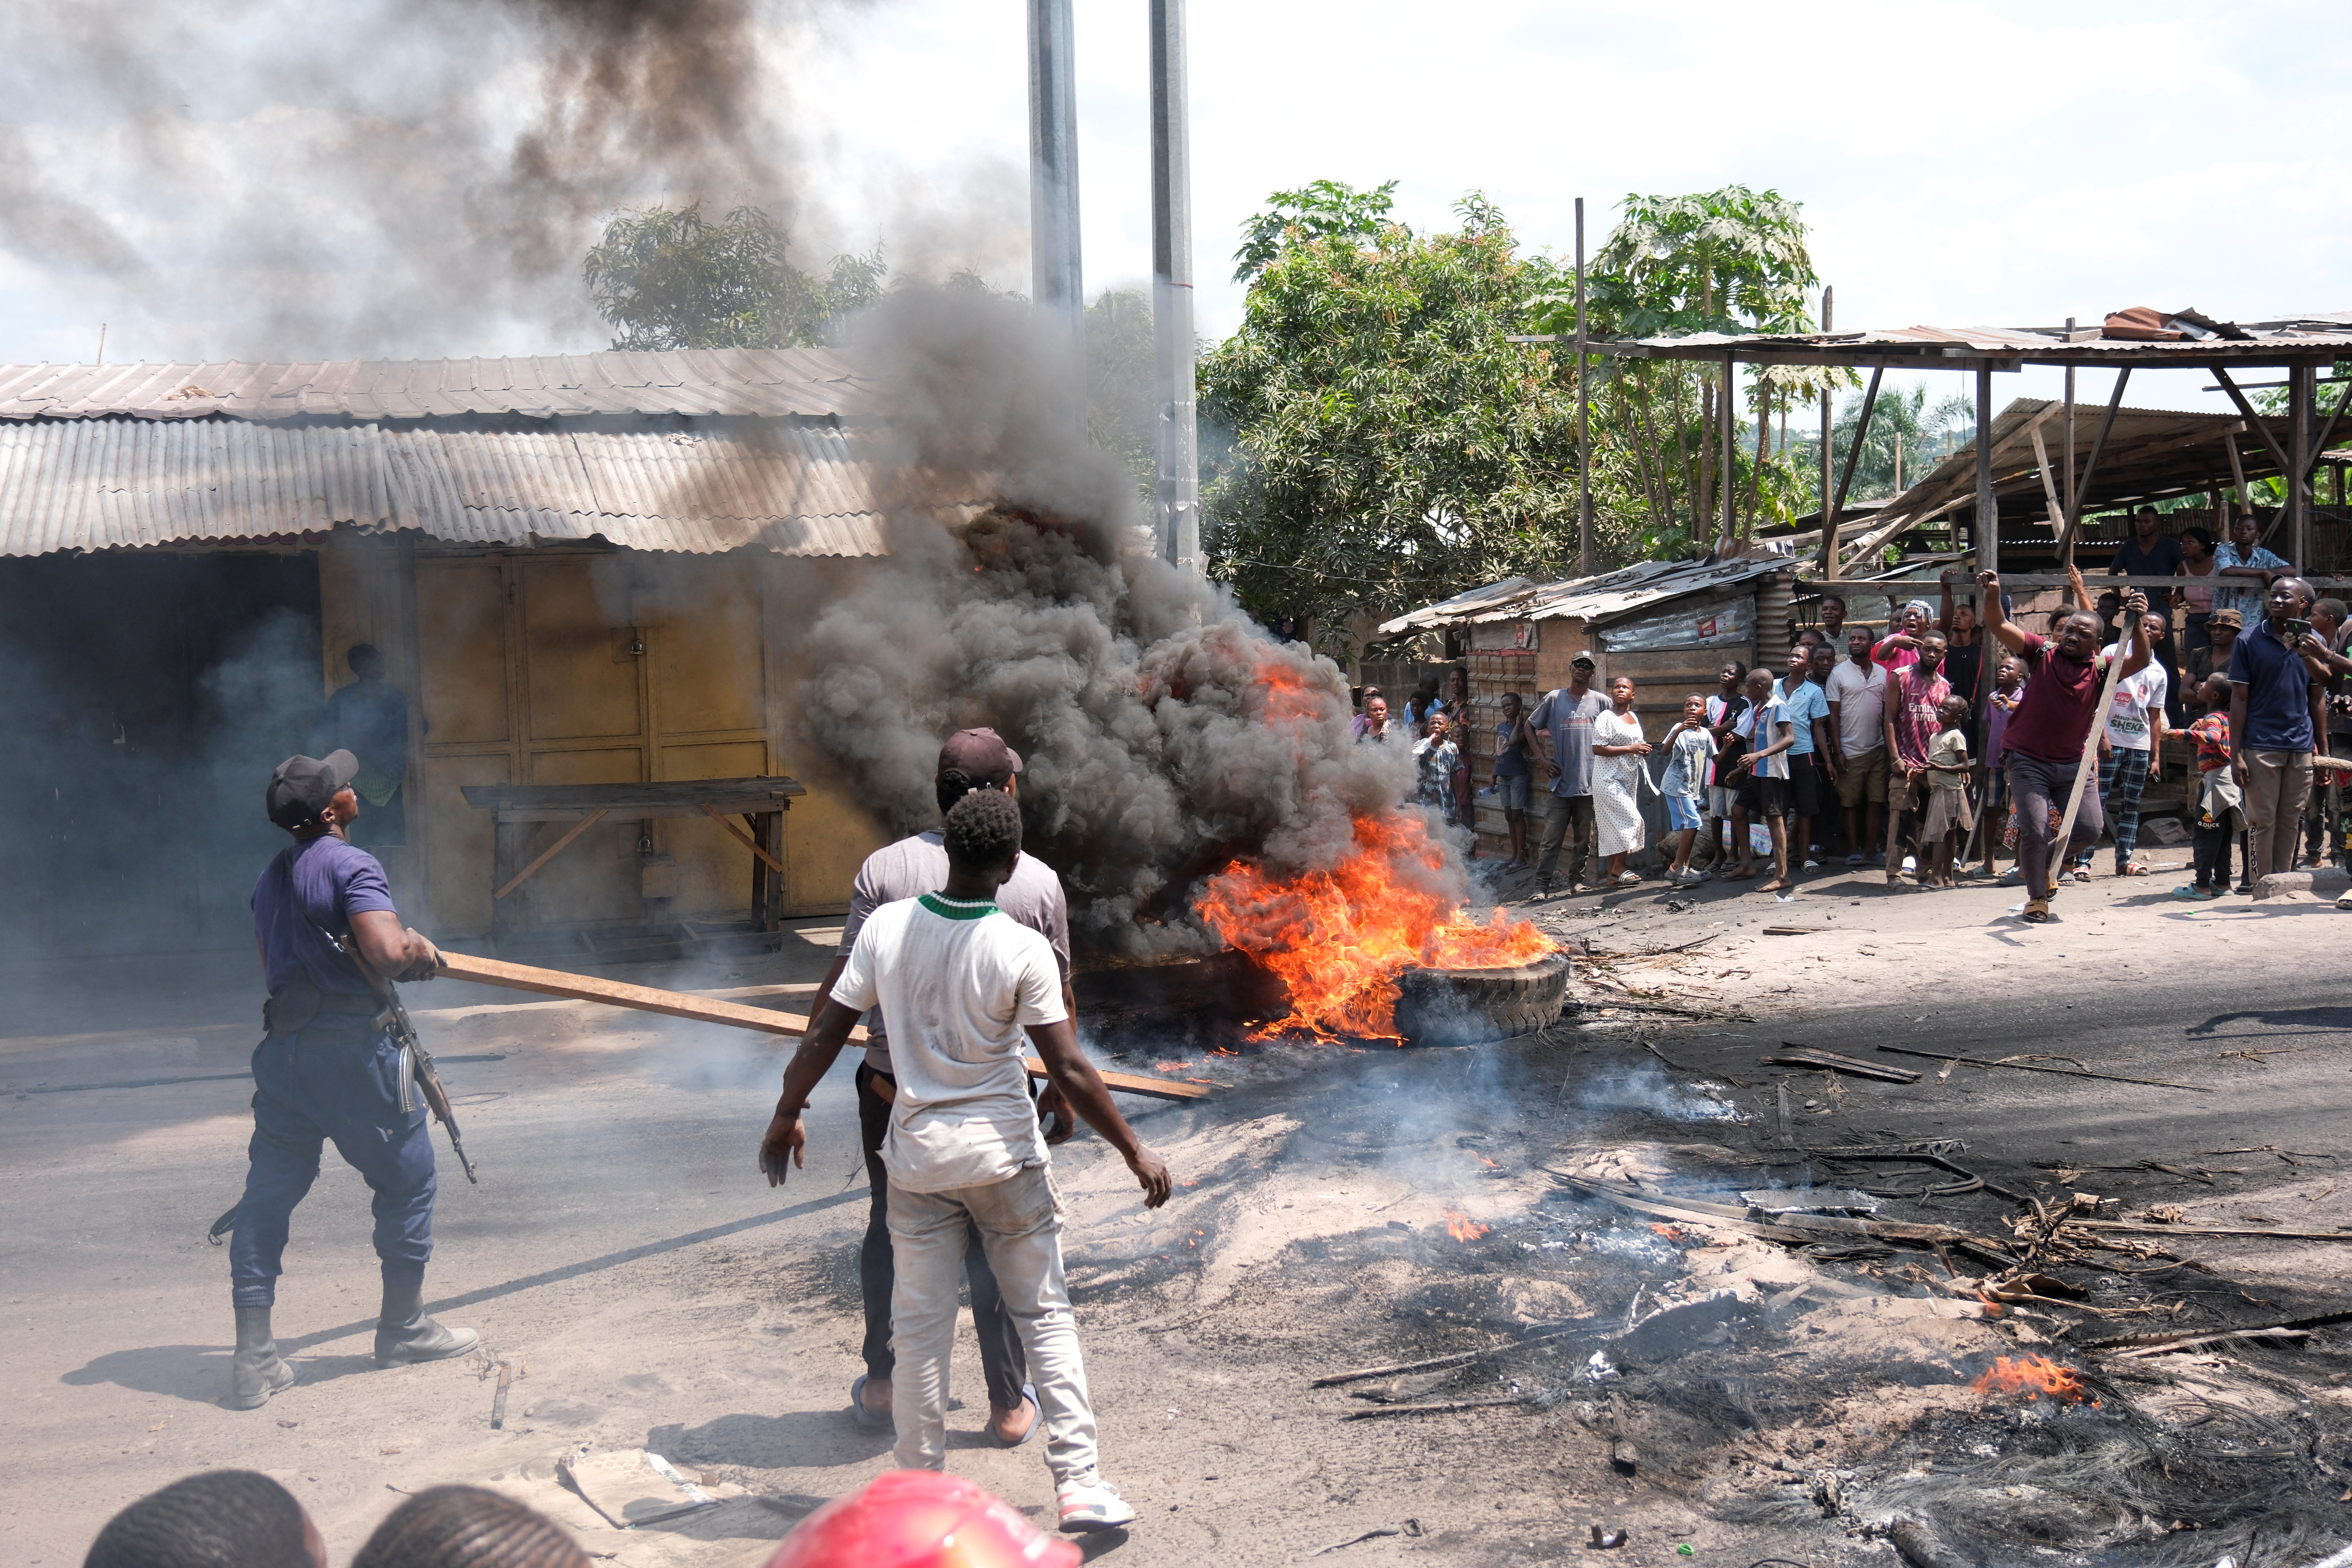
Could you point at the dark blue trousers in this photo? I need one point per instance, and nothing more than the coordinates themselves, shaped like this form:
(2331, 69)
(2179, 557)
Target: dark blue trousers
(335, 1084)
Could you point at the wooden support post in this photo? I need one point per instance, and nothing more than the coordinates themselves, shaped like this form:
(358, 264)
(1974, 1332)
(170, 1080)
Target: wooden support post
(1827, 569)
(2090, 470)
(2260, 430)
(2237, 478)
(2067, 509)
(772, 834)
(741, 837)
(2057, 509)
(1729, 420)
(2301, 389)
(1861, 435)
(1988, 504)
(507, 839)
(1583, 403)
(551, 851)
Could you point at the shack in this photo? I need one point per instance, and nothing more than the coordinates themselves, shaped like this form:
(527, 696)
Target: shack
(1669, 625)
(572, 569)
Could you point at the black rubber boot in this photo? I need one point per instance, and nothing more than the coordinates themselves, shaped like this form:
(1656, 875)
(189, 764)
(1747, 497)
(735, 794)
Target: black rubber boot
(258, 1371)
(403, 1333)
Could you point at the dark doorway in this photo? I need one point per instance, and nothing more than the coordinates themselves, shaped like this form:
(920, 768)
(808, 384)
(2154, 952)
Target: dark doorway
(144, 697)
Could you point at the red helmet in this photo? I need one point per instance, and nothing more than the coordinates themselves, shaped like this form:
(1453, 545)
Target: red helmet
(920, 1518)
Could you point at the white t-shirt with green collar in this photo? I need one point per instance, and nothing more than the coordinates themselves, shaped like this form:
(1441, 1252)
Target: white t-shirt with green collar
(960, 982)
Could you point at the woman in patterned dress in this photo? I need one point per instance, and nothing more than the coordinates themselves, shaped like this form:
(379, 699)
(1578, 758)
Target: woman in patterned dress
(1617, 753)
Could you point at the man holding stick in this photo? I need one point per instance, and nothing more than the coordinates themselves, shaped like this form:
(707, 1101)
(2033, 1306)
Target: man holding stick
(961, 982)
(2050, 740)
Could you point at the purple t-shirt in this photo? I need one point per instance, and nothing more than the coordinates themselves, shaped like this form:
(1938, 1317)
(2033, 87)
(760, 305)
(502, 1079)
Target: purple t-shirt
(330, 882)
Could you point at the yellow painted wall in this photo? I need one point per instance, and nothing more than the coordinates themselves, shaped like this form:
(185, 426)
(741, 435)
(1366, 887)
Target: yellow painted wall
(563, 666)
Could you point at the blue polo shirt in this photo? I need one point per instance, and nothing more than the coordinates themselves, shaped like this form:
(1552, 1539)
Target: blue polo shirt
(2278, 692)
(319, 884)
(1800, 706)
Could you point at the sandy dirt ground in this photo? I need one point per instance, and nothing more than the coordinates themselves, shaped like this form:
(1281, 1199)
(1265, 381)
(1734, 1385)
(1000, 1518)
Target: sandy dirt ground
(1339, 1209)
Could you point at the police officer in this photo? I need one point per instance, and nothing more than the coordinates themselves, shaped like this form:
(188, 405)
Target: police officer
(330, 1069)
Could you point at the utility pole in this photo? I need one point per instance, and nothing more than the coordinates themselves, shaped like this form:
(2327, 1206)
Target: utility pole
(1988, 540)
(1172, 291)
(1583, 402)
(1056, 279)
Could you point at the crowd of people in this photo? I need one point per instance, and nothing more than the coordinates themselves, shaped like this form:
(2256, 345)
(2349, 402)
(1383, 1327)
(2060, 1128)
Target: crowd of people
(1943, 745)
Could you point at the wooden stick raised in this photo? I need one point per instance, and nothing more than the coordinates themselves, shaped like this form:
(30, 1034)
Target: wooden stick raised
(710, 1010)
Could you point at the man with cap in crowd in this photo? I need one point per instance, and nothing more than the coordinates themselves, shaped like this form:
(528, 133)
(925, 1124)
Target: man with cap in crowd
(1563, 723)
(971, 758)
(328, 1069)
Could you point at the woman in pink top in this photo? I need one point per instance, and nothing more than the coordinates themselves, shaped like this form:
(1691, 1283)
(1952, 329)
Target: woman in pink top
(1899, 648)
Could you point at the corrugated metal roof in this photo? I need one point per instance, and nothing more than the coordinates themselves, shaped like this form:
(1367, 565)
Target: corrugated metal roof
(100, 484)
(1592, 599)
(748, 383)
(2265, 343)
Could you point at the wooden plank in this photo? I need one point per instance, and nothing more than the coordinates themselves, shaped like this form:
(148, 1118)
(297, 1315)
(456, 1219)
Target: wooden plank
(552, 850)
(710, 1010)
(561, 803)
(740, 836)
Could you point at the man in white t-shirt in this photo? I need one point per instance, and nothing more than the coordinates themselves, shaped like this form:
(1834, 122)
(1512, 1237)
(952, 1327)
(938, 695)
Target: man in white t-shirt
(970, 760)
(1858, 694)
(961, 982)
(2126, 752)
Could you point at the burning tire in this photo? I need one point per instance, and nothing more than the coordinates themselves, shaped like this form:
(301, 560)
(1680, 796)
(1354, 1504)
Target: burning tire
(1464, 1007)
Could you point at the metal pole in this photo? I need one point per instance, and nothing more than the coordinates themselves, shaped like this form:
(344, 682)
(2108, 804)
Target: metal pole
(1987, 508)
(1172, 289)
(1583, 448)
(1056, 279)
(1827, 569)
(2300, 382)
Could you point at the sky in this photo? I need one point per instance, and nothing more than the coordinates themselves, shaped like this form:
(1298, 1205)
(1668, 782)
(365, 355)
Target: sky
(1959, 163)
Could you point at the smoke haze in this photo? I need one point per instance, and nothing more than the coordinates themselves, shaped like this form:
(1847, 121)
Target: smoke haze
(1163, 732)
(265, 180)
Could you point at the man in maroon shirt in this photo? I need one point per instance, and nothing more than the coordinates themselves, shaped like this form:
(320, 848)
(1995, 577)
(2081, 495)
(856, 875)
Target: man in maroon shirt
(2042, 744)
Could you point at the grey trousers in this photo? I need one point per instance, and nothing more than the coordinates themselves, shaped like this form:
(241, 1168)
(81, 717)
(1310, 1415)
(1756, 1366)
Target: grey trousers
(1022, 1237)
(2278, 784)
(1565, 815)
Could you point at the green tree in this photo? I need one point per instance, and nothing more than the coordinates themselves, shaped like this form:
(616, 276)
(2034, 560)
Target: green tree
(1324, 209)
(1374, 439)
(1731, 260)
(671, 279)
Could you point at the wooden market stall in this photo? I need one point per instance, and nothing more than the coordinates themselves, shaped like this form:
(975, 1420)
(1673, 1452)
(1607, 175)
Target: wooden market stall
(1669, 625)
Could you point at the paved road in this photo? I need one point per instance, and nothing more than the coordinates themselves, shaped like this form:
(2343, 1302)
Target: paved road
(623, 1246)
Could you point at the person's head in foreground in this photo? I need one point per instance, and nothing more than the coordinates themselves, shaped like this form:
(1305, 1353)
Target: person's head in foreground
(984, 840)
(974, 759)
(1953, 711)
(470, 1527)
(2246, 533)
(1931, 654)
(920, 1518)
(222, 1519)
(1620, 693)
(1759, 685)
(1858, 645)
(2008, 675)
(2078, 635)
(1694, 710)
(1437, 726)
(1376, 714)
(2289, 598)
(2216, 692)
(1733, 675)
(1824, 664)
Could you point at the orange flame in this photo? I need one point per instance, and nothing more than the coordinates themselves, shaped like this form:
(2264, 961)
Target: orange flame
(1462, 1227)
(1338, 938)
(2032, 1376)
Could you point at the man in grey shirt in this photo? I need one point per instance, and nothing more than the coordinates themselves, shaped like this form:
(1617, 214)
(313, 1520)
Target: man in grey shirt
(971, 758)
(1564, 721)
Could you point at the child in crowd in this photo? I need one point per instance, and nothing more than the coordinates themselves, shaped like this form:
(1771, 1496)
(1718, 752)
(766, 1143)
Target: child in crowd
(1690, 747)
(1947, 816)
(1434, 756)
(2008, 690)
(1723, 713)
(2221, 805)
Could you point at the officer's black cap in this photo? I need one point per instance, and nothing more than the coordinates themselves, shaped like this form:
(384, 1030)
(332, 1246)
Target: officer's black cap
(303, 786)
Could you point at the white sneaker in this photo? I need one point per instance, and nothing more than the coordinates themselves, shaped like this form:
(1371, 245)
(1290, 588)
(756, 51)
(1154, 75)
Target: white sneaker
(1091, 1503)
